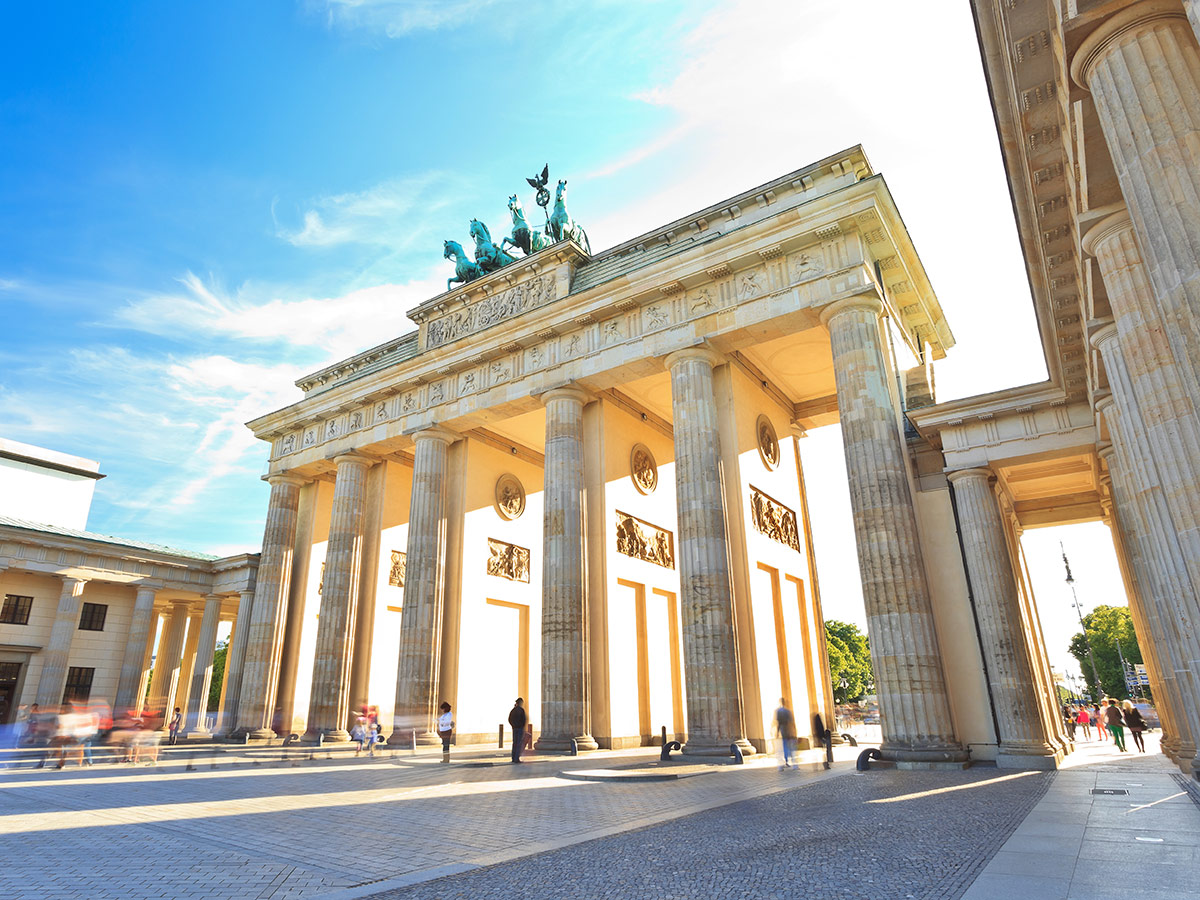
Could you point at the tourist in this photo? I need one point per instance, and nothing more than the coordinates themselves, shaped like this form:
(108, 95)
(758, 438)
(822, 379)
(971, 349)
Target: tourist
(445, 729)
(1069, 720)
(1084, 721)
(517, 720)
(1114, 724)
(358, 734)
(173, 728)
(1135, 723)
(1098, 720)
(785, 729)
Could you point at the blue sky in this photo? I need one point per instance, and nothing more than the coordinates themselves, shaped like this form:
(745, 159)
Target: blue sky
(203, 202)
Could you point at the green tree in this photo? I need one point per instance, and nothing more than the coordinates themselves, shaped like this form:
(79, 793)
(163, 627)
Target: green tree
(1106, 626)
(218, 676)
(849, 661)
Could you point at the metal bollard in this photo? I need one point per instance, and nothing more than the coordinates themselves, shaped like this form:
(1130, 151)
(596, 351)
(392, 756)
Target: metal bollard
(574, 747)
(864, 759)
(414, 742)
(736, 752)
(191, 765)
(666, 750)
(501, 739)
(664, 735)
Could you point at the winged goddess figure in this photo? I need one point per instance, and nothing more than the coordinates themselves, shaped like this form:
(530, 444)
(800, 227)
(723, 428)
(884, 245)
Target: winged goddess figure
(538, 183)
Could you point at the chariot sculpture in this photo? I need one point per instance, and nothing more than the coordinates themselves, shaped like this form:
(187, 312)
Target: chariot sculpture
(490, 256)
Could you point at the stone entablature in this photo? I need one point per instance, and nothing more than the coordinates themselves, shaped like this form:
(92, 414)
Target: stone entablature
(784, 265)
(49, 554)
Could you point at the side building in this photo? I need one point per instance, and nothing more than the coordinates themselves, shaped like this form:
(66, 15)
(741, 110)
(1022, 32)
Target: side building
(85, 616)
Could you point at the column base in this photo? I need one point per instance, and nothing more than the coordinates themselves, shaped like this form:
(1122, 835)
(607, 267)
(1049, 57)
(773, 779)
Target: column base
(701, 747)
(553, 743)
(935, 753)
(327, 735)
(1044, 759)
(261, 734)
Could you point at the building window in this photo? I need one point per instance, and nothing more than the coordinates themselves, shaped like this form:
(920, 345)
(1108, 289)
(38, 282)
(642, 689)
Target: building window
(15, 610)
(79, 684)
(92, 617)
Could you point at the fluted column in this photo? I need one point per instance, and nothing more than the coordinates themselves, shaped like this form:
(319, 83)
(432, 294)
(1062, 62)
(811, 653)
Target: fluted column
(417, 685)
(206, 646)
(235, 662)
(166, 664)
(187, 666)
(1142, 66)
(56, 656)
(264, 636)
(293, 628)
(1024, 742)
(1162, 545)
(566, 696)
(913, 701)
(133, 669)
(710, 656)
(1137, 589)
(329, 699)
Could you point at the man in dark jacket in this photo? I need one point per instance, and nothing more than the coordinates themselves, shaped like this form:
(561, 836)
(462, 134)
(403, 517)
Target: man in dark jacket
(517, 720)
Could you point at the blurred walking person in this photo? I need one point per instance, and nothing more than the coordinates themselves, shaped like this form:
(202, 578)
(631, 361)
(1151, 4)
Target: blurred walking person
(176, 724)
(1099, 721)
(1084, 721)
(785, 729)
(1115, 724)
(1135, 723)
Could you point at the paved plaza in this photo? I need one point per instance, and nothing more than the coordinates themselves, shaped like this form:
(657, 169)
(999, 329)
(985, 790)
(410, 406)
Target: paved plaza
(263, 826)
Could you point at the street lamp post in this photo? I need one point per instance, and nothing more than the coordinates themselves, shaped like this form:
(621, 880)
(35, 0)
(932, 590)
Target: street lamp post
(1079, 611)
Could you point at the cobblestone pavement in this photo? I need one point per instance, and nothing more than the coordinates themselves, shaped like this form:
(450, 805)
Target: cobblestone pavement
(305, 828)
(882, 835)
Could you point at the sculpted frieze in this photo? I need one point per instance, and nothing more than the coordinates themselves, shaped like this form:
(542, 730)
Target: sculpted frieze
(399, 568)
(773, 519)
(488, 311)
(507, 560)
(641, 540)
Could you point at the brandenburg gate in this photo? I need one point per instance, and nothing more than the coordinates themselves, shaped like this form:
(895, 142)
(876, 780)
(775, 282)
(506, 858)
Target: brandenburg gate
(579, 481)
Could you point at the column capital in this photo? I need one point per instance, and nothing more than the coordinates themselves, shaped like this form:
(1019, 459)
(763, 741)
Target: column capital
(974, 472)
(798, 430)
(868, 302)
(1102, 336)
(352, 458)
(1106, 453)
(179, 603)
(284, 478)
(566, 392)
(701, 352)
(1108, 227)
(1138, 17)
(246, 596)
(436, 433)
(73, 583)
(1103, 403)
(208, 597)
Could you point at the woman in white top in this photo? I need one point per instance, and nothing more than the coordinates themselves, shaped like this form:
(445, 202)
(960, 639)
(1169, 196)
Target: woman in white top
(445, 730)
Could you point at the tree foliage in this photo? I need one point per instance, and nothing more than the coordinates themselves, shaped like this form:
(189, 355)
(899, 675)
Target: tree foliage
(849, 661)
(218, 677)
(1106, 626)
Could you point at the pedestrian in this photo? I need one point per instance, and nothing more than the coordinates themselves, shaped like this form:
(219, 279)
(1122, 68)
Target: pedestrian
(445, 729)
(1069, 720)
(1115, 725)
(176, 724)
(1135, 723)
(358, 734)
(785, 729)
(517, 719)
(372, 738)
(1084, 721)
(1099, 721)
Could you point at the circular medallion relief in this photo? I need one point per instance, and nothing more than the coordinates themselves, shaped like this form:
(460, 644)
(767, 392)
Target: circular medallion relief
(510, 497)
(643, 469)
(768, 443)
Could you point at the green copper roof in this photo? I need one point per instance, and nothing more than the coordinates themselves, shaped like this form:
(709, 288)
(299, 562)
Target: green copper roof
(62, 531)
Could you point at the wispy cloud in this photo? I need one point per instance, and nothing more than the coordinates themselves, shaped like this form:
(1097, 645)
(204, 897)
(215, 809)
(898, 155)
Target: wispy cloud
(295, 326)
(395, 214)
(396, 18)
